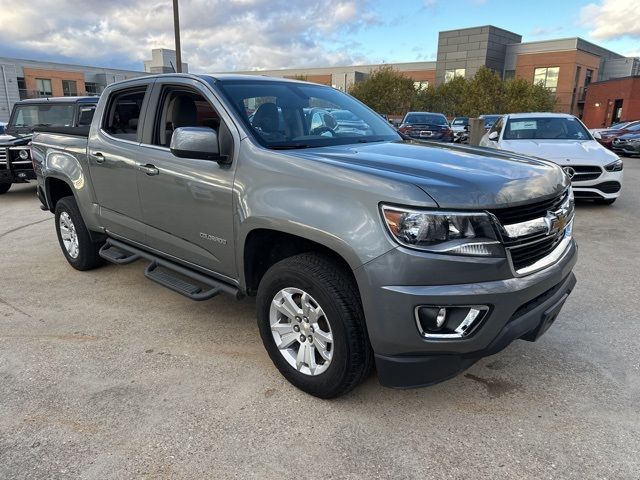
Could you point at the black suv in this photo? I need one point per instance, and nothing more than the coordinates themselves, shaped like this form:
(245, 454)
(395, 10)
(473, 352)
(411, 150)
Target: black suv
(15, 156)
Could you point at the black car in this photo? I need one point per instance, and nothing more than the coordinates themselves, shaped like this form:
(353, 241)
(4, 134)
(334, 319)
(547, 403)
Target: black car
(15, 155)
(426, 126)
(627, 144)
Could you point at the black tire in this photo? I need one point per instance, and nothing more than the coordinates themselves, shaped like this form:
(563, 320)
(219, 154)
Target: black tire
(87, 257)
(605, 201)
(336, 292)
(4, 187)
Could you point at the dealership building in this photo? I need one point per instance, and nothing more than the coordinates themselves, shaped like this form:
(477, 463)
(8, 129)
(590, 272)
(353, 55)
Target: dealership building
(567, 67)
(573, 69)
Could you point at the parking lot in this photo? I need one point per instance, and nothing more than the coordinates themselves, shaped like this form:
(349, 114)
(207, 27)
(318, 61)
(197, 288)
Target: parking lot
(105, 374)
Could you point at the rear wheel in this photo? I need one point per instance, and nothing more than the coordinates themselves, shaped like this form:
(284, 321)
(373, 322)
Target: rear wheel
(4, 187)
(74, 238)
(311, 323)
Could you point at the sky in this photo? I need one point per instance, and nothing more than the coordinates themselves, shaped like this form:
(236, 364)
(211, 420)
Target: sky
(228, 35)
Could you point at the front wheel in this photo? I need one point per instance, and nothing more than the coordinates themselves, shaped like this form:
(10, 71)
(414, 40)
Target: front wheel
(312, 325)
(4, 187)
(74, 238)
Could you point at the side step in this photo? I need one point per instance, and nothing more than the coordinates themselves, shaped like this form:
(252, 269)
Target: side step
(116, 255)
(203, 287)
(172, 282)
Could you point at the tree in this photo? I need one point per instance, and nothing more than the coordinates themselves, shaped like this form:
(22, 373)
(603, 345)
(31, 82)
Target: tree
(523, 96)
(484, 94)
(386, 91)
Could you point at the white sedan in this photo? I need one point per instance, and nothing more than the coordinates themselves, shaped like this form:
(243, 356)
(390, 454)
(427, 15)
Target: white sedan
(595, 172)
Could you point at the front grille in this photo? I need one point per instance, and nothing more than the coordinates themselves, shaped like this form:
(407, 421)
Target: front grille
(523, 213)
(3, 158)
(585, 172)
(526, 255)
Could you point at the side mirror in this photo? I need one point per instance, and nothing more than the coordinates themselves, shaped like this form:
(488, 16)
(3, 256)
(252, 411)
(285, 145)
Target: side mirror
(493, 136)
(196, 142)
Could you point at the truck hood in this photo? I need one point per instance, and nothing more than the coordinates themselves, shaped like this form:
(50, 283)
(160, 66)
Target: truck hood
(454, 177)
(563, 152)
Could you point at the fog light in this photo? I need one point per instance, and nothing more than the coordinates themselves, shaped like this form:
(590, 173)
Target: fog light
(449, 322)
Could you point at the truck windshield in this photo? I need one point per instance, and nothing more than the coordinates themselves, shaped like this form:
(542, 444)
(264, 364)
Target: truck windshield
(545, 128)
(42, 115)
(283, 115)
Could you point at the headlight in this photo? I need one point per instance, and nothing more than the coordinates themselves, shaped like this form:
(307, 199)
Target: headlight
(23, 154)
(614, 167)
(454, 233)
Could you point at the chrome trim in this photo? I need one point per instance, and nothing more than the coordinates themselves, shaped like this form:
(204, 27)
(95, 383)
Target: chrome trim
(524, 229)
(547, 261)
(469, 319)
(20, 147)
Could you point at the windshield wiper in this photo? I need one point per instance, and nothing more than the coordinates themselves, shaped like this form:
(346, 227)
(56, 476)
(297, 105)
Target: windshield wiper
(288, 146)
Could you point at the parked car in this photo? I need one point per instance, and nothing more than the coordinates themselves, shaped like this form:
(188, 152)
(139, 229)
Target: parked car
(606, 137)
(489, 120)
(627, 144)
(614, 126)
(426, 126)
(460, 127)
(15, 157)
(358, 248)
(595, 172)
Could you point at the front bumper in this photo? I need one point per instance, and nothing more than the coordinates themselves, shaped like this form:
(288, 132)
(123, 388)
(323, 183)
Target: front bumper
(521, 307)
(626, 148)
(607, 186)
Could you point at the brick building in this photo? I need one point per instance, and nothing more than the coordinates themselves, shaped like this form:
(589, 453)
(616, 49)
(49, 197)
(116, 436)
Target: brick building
(612, 101)
(565, 66)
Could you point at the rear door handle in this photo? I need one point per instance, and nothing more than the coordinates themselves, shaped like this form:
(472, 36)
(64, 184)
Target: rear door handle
(98, 157)
(149, 169)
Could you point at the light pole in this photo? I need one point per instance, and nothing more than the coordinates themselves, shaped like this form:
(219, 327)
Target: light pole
(176, 29)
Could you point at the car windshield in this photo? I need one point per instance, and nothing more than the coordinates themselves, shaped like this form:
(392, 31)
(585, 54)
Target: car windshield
(490, 119)
(48, 115)
(344, 115)
(426, 119)
(283, 115)
(635, 127)
(460, 121)
(545, 128)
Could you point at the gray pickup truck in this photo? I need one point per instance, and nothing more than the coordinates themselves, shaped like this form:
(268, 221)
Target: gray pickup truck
(361, 246)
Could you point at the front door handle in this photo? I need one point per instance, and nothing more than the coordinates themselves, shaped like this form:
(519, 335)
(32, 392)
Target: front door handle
(98, 157)
(149, 169)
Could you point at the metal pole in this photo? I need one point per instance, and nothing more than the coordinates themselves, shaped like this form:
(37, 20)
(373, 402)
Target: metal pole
(176, 28)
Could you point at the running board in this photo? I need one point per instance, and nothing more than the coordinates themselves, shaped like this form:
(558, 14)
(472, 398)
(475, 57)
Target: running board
(187, 282)
(117, 255)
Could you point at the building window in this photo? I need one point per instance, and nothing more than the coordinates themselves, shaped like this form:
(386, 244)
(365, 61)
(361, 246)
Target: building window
(548, 76)
(588, 77)
(451, 74)
(92, 88)
(509, 74)
(43, 87)
(69, 88)
(420, 85)
(22, 88)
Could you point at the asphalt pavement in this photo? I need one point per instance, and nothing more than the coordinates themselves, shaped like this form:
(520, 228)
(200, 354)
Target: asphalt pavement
(106, 375)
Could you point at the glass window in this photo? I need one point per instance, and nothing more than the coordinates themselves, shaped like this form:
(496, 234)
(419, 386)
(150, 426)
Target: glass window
(85, 115)
(548, 76)
(497, 126)
(69, 88)
(460, 121)
(92, 88)
(49, 115)
(180, 107)
(545, 128)
(123, 114)
(43, 87)
(588, 77)
(451, 74)
(425, 119)
(291, 115)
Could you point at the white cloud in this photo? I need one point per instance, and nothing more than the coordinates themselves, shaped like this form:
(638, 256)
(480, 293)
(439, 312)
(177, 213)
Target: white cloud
(611, 19)
(217, 35)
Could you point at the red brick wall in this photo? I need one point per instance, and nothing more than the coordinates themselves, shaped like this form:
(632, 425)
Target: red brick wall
(56, 77)
(568, 62)
(598, 106)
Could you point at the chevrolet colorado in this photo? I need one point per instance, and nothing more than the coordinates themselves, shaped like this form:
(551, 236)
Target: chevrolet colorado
(15, 160)
(361, 247)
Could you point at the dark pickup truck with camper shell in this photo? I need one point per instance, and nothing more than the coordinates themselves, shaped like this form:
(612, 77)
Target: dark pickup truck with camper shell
(362, 248)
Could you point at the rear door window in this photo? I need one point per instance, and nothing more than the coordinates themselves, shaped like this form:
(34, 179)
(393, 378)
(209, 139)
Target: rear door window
(123, 114)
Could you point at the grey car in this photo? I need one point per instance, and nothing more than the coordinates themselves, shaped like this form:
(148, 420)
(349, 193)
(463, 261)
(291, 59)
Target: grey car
(361, 249)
